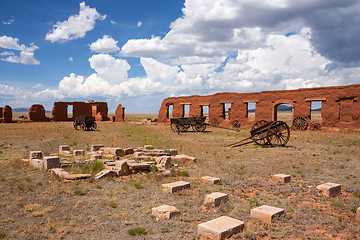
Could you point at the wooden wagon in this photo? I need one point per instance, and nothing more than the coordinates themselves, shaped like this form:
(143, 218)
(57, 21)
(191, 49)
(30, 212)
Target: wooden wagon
(275, 134)
(183, 124)
(85, 123)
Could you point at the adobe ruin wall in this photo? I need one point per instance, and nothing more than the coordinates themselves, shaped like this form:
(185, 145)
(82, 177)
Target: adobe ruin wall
(340, 107)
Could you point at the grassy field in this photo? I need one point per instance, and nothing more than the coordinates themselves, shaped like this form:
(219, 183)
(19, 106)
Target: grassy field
(36, 205)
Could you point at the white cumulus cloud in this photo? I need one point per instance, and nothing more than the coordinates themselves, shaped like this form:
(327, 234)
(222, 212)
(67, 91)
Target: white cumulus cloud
(76, 26)
(26, 52)
(104, 45)
(139, 24)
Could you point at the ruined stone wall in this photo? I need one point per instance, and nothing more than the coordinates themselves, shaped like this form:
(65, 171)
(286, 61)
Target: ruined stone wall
(120, 114)
(37, 113)
(6, 114)
(340, 106)
(97, 109)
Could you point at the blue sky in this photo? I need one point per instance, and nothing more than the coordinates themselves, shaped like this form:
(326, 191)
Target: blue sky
(139, 52)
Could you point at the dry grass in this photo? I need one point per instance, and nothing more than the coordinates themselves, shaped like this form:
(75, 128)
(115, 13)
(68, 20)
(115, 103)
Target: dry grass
(36, 205)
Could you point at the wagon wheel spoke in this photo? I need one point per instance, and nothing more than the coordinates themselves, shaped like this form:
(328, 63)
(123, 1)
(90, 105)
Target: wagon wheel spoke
(300, 123)
(261, 137)
(278, 134)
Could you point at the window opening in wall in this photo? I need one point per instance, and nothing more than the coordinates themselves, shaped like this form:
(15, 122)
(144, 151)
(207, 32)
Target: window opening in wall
(186, 111)
(205, 111)
(316, 115)
(170, 111)
(284, 113)
(70, 111)
(251, 107)
(226, 110)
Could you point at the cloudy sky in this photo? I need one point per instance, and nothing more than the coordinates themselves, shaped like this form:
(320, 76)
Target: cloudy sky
(138, 52)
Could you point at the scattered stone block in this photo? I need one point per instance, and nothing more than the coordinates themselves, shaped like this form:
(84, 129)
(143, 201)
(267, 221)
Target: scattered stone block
(122, 167)
(39, 163)
(173, 152)
(138, 154)
(128, 151)
(163, 163)
(282, 177)
(165, 211)
(175, 186)
(216, 198)
(106, 172)
(95, 148)
(96, 157)
(265, 213)
(114, 151)
(35, 154)
(51, 162)
(110, 163)
(64, 148)
(138, 166)
(329, 189)
(357, 217)
(184, 158)
(65, 163)
(79, 152)
(61, 173)
(220, 228)
(213, 180)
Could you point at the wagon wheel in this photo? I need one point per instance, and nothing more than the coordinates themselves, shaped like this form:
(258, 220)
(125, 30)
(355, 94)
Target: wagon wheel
(215, 122)
(185, 128)
(75, 125)
(181, 127)
(83, 126)
(236, 124)
(299, 123)
(278, 134)
(315, 126)
(260, 138)
(173, 127)
(94, 126)
(199, 126)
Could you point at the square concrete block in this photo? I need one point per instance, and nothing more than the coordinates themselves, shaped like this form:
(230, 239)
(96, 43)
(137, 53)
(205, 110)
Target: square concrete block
(216, 198)
(35, 154)
(96, 157)
(95, 148)
(265, 213)
(282, 177)
(51, 162)
(39, 163)
(213, 180)
(165, 211)
(357, 217)
(329, 189)
(63, 148)
(128, 151)
(175, 186)
(79, 152)
(220, 228)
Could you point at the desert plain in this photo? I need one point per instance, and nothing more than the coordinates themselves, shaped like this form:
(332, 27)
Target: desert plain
(37, 205)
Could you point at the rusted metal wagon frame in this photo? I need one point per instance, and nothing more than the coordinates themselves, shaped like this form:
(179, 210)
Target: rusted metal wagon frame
(275, 134)
(85, 123)
(183, 124)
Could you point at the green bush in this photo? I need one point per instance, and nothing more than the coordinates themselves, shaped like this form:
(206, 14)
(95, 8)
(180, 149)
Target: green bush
(137, 185)
(136, 231)
(97, 166)
(183, 173)
(79, 192)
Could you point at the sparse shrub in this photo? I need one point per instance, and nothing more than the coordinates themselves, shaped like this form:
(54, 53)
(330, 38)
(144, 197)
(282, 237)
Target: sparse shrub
(2, 179)
(113, 205)
(220, 182)
(79, 192)
(97, 166)
(357, 194)
(353, 209)
(341, 166)
(26, 146)
(91, 180)
(242, 167)
(153, 169)
(28, 179)
(20, 187)
(137, 231)
(149, 148)
(39, 184)
(253, 202)
(2, 234)
(167, 151)
(99, 186)
(294, 166)
(88, 148)
(137, 185)
(183, 173)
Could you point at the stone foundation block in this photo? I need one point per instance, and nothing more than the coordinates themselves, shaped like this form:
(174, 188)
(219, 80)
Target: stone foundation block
(282, 178)
(39, 163)
(357, 217)
(35, 154)
(79, 152)
(329, 189)
(220, 228)
(175, 186)
(165, 211)
(128, 151)
(51, 162)
(95, 148)
(265, 213)
(184, 158)
(173, 152)
(216, 198)
(96, 157)
(64, 148)
(213, 180)
(122, 167)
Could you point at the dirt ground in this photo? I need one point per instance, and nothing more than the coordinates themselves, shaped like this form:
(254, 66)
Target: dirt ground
(36, 205)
